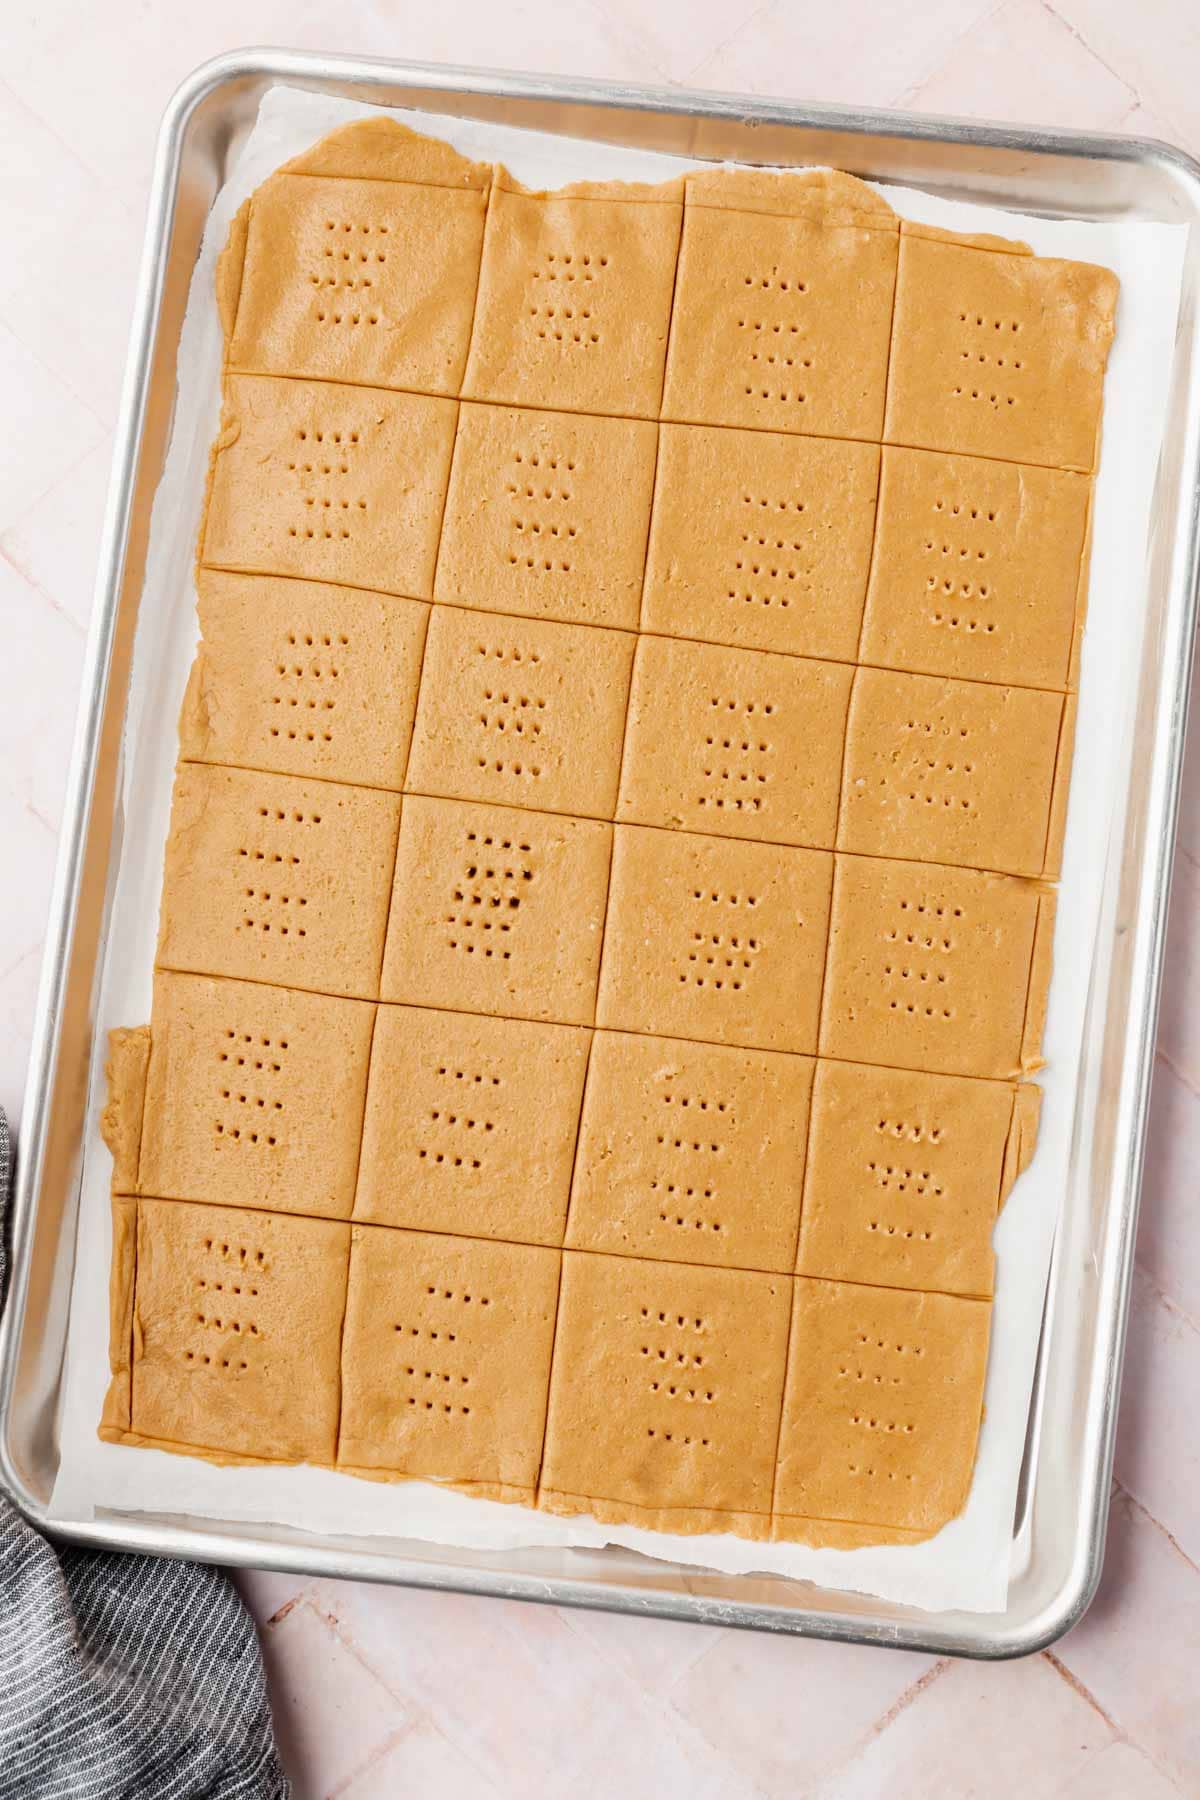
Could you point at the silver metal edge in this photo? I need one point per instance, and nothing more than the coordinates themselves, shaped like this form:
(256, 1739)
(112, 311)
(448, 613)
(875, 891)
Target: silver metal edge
(163, 1538)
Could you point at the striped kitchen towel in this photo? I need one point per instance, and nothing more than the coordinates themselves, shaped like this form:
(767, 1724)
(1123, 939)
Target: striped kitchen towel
(124, 1677)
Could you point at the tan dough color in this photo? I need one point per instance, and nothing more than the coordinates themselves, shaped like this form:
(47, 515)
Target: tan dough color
(716, 940)
(761, 540)
(303, 678)
(606, 915)
(274, 879)
(470, 1124)
(547, 515)
(522, 712)
(781, 323)
(874, 1377)
(953, 771)
(936, 968)
(446, 1359)
(906, 1174)
(735, 742)
(330, 483)
(979, 569)
(497, 911)
(998, 353)
(696, 1358)
(691, 1153)
(253, 1095)
(371, 282)
(575, 301)
(236, 1331)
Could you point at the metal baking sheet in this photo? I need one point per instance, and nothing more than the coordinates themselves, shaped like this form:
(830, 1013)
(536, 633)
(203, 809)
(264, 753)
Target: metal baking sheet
(1059, 1527)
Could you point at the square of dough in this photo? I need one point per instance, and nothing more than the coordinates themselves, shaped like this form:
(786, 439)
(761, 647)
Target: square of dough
(691, 1153)
(446, 1359)
(342, 484)
(237, 1330)
(371, 282)
(497, 911)
(470, 1124)
(761, 540)
(882, 1409)
(951, 771)
(254, 1095)
(906, 1174)
(782, 324)
(575, 302)
(711, 939)
(979, 569)
(739, 743)
(271, 878)
(547, 515)
(302, 678)
(665, 1394)
(521, 712)
(998, 354)
(936, 968)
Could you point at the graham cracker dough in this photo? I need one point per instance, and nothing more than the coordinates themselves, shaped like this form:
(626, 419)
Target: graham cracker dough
(979, 569)
(906, 1173)
(607, 912)
(446, 1359)
(690, 1153)
(470, 1124)
(781, 323)
(997, 352)
(716, 940)
(936, 968)
(522, 712)
(269, 878)
(236, 1329)
(497, 911)
(547, 515)
(739, 743)
(330, 483)
(876, 1375)
(370, 282)
(761, 540)
(665, 1394)
(960, 772)
(574, 300)
(252, 1095)
(303, 679)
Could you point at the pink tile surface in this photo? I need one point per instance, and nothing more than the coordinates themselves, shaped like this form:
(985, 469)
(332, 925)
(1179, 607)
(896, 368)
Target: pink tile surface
(395, 1693)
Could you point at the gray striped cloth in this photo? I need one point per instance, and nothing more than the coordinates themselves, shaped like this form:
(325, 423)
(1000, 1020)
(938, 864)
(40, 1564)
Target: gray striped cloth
(124, 1677)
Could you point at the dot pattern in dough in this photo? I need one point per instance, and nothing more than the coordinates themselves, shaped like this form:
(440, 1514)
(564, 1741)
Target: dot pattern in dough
(606, 916)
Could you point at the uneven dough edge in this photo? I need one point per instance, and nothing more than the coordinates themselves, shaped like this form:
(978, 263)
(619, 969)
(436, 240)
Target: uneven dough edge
(689, 1521)
(841, 1534)
(115, 1416)
(1022, 1137)
(121, 1120)
(1040, 966)
(820, 196)
(383, 149)
(1060, 791)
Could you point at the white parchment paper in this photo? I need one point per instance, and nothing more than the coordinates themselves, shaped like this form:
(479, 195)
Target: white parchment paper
(966, 1565)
